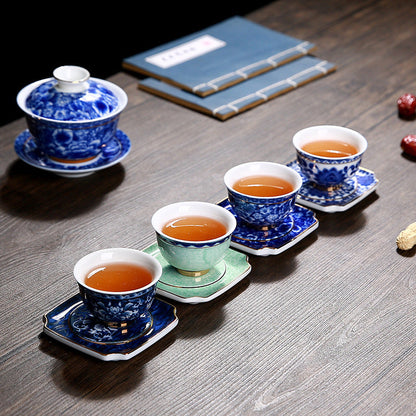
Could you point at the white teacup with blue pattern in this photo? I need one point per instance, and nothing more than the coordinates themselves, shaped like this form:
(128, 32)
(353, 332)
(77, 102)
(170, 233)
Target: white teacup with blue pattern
(324, 172)
(258, 211)
(118, 308)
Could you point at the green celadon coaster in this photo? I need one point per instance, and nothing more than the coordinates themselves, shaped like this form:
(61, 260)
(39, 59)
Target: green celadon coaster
(227, 273)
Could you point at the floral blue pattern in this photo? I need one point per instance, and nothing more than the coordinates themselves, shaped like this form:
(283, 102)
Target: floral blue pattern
(118, 308)
(75, 142)
(300, 223)
(327, 172)
(96, 101)
(257, 212)
(115, 151)
(86, 326)
(341, 198)
(72, 126)
(72, 324)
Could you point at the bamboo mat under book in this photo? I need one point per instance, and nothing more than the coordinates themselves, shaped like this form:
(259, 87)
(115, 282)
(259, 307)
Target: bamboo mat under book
(245, 95)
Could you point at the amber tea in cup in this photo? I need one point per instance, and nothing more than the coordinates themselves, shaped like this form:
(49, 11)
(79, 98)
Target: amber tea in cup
(263, 186)
(262, 194)
(194, 228)
(118, 285)
(118, 277)
(330, 148)
(193, 236)
(329, 156)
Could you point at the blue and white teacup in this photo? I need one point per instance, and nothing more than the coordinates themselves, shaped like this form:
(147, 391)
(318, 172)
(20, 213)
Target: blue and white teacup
(328, 173)
(117, 308)
(193, 258)
(262, 212)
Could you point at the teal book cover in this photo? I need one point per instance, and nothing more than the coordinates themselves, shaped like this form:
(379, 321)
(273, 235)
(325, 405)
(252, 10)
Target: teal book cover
(219, 56)
(250, 93)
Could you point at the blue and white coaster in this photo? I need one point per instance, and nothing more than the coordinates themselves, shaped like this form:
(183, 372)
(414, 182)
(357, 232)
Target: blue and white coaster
(296, 226)
(72, 324)
(341, 199)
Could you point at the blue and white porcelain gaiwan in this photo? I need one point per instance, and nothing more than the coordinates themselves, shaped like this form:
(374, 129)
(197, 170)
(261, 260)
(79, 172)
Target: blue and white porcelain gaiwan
(72, 116)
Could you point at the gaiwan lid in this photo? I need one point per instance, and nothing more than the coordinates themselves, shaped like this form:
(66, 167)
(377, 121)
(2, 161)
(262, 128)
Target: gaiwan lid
(71, 95)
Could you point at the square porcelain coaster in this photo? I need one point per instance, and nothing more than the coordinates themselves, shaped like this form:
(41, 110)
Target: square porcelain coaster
(226, 274)
(72, 324)
(296, 226)
(354, 190)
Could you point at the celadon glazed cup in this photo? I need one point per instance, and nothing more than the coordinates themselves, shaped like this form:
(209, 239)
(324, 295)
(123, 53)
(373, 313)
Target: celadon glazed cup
(193, 258)
(328, 173)
(117, 309)
(262, 212)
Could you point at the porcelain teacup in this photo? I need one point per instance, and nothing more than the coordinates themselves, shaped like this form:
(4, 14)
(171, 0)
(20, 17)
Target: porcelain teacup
(328, 173)
(117, 308)
(262, 212)
(193, 258)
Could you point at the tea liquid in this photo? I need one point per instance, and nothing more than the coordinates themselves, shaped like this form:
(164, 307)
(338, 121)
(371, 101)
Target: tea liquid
(263, 186)
(118, 277)
(194, 228)
(330, 148)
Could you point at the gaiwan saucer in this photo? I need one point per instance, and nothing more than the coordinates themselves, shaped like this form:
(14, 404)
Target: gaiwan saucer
(115, 152)
(226, 274)
(296, 226)
(348, 195)
(72, 324)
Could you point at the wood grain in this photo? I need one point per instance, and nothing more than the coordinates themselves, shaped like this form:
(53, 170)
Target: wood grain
(325, 328)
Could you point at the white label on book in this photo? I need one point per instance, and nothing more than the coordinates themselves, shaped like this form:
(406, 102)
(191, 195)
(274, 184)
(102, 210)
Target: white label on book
(185, 52)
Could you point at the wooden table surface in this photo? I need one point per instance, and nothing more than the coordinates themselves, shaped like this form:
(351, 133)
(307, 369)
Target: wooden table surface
(324, 328)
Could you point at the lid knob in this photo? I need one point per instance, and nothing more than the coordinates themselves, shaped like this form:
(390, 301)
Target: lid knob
(71, 78)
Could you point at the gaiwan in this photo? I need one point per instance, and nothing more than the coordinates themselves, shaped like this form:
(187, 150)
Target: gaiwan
(72, 116)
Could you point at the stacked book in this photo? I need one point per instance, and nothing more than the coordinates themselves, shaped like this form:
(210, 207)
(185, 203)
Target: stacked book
(228, 68)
